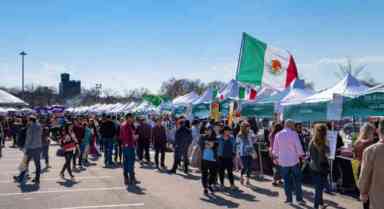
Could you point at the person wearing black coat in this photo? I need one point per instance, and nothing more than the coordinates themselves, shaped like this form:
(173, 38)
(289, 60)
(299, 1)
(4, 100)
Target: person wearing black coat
(208, 145)
(183, 138)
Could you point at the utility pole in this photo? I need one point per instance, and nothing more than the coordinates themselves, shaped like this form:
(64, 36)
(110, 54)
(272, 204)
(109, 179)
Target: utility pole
(22, 54)
(98, 91)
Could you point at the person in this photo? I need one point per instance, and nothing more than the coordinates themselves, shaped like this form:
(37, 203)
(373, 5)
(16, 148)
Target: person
(93, 149)
(364, 140)
(246, 151)
(288, 151)
(32, 149)
(45, 143)
(69, 143)
(117, 143)
(226, 152)
(128, 142)
(183, 138)
(159, 141)
(208, 146)
(318, 152)
(371, 181)
(107, 132)
(143, 143)
(276, 128)
(85, 144)
(78, 130)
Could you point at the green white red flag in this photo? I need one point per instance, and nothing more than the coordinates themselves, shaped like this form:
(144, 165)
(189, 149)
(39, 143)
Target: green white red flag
(260, 64)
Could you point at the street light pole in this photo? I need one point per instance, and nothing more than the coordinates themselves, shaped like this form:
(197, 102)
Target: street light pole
(22, 54)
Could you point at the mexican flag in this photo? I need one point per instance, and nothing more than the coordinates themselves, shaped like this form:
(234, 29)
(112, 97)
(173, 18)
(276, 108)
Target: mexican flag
(261, 64)
(247, 93)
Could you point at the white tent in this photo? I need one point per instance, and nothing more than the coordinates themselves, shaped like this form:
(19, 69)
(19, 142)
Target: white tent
(206, 97)
(230, 91)
(186, 99)
(349, 86)
(9, 100)
(297, 92)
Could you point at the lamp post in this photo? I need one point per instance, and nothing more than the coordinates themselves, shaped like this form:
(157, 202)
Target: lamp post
(22, 54)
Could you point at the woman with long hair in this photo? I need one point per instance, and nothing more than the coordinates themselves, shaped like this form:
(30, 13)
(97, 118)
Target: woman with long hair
(365, 139)
(68, 141)
(276, 128)
(318, 151)
(246, 151)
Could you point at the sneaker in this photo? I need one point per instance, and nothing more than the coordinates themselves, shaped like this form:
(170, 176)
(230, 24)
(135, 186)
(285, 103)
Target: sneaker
(73, 178)
(62, 176)
(233, 187)
(16, 179)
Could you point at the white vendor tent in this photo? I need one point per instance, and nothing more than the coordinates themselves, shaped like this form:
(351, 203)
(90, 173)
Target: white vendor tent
(186, 99)
(7, 99)
(349, 86)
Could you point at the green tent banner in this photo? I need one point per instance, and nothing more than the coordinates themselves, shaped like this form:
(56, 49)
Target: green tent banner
(265, 110)
(201, 110)
(180, 110)
(306, 111)
(365, 105)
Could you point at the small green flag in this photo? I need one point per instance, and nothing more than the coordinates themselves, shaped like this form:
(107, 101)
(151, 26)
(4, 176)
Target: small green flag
(241, 92)
(214, 94)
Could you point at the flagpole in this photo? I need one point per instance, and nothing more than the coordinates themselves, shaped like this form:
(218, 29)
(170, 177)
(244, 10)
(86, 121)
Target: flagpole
(240, 54)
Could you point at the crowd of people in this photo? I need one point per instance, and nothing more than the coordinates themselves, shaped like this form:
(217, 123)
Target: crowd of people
(214, 148)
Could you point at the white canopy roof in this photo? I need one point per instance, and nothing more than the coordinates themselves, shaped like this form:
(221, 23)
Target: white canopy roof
(349, 86)
(375, 89)
(231, 90)
(297, 92)
(206, 97)
(8, 99)
(186, 99)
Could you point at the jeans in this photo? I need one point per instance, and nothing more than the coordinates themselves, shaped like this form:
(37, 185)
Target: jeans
(319, 181)
(45, 154)
(180, 154)
(160, 150)
(292, 179)
(247, 165)
(108, 147)
(226, 164)
(34, 154)
(129, 161)
(208, 173)
(143, 150)
(67, 165)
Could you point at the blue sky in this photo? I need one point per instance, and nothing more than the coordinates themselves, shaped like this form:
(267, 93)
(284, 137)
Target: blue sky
(129, 44)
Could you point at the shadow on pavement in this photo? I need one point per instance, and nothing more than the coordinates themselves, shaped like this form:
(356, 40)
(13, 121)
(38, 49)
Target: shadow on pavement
(189, 176)
(238, 194)
(67, 183)
(136, 189)
(219, 201)
(264, 191)
(25, 188)
(309, 196)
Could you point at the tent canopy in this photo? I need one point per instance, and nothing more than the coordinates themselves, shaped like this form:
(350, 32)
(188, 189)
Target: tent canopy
(349, 86)
(206, 97)
(186, 99)
(8, 99)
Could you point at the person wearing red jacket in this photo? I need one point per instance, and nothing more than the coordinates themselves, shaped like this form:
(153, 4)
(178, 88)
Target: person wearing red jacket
(128, 143)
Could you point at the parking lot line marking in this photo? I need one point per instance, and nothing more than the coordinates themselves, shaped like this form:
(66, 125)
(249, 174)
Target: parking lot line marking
(62, 191)
(57, 178)
(105, 206)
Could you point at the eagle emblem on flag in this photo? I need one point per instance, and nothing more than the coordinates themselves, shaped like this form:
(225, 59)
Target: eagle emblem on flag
(275, 67)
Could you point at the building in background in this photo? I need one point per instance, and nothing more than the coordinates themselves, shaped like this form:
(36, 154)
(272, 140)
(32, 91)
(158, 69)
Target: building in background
(69, 88)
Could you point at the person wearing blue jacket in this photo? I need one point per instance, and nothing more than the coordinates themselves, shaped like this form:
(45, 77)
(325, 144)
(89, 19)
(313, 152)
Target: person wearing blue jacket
(226, 153)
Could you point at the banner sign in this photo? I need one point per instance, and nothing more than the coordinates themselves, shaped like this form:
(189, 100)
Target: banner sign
(264, 110)
(201, 110)
(306, 111)
(365, 105)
